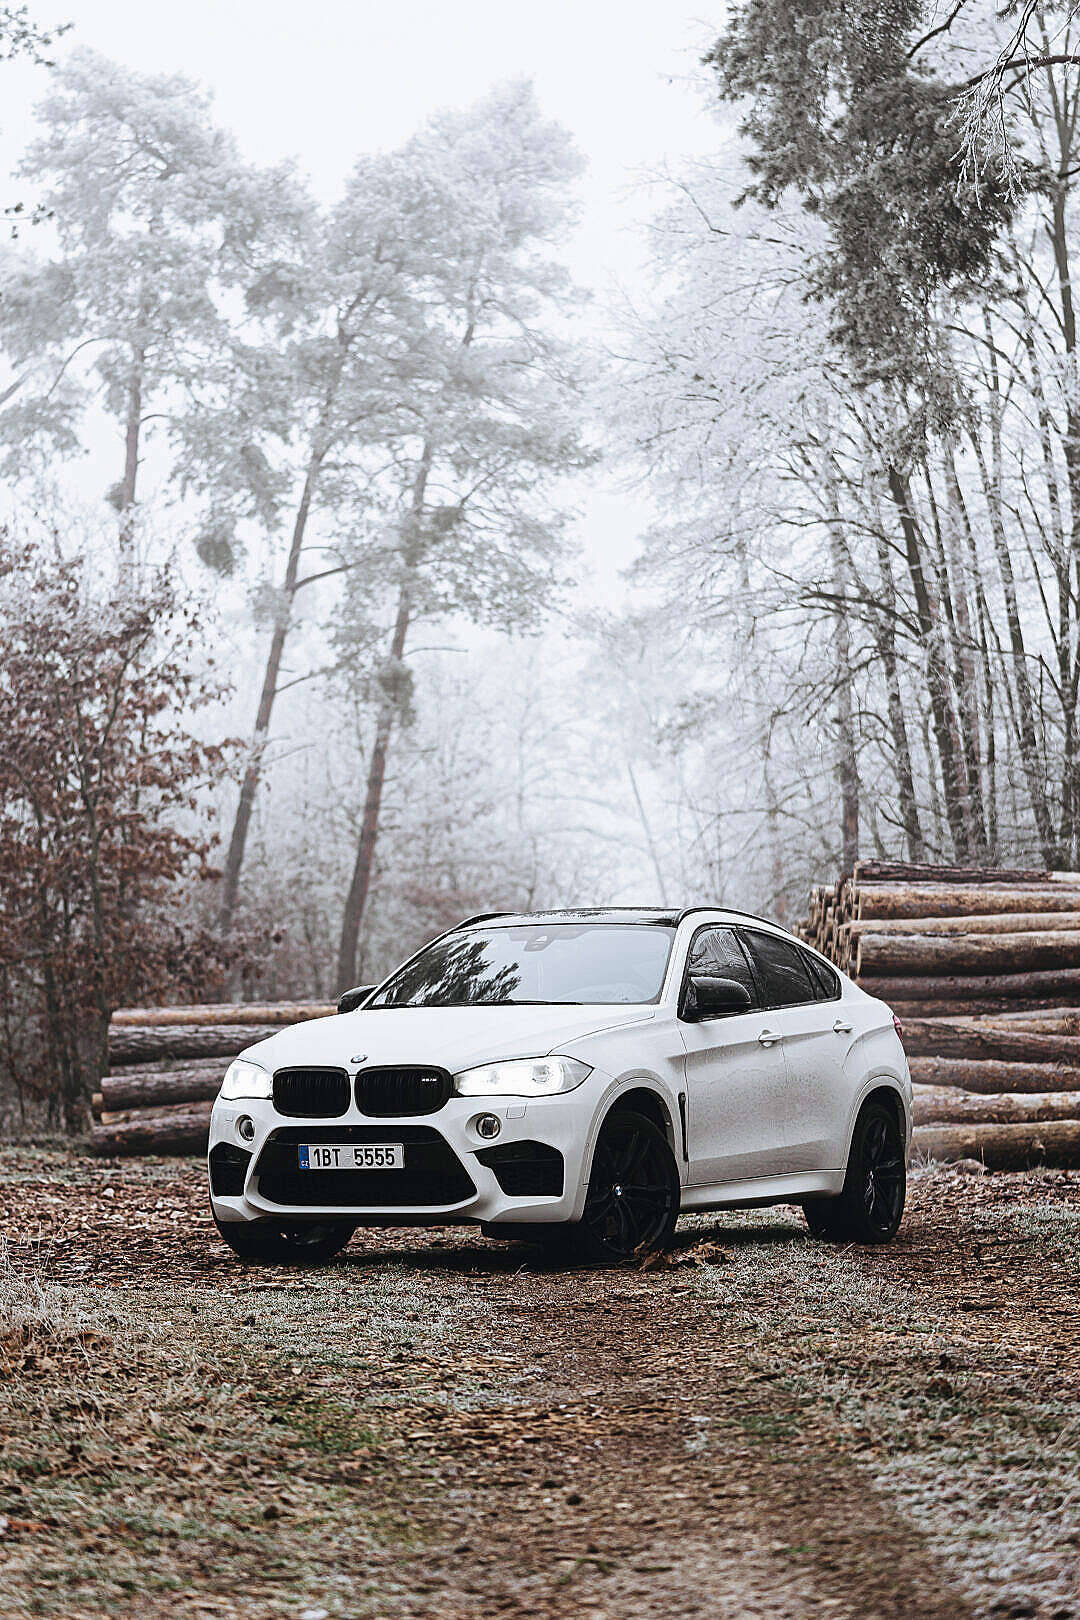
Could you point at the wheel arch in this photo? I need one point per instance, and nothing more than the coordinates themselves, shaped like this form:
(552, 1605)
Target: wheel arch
(885, 1089)
(643, 1099)
(641, 1095)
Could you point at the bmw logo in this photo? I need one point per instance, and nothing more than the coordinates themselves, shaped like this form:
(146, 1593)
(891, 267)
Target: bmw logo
(360, 1057)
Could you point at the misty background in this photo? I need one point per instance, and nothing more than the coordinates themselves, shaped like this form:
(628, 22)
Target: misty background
(456, 460)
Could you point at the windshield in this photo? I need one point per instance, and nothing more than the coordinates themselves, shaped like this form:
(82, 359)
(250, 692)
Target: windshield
(535, 962)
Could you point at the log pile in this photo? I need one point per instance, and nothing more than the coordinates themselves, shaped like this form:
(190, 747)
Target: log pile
(165, 1069)
(982, 965)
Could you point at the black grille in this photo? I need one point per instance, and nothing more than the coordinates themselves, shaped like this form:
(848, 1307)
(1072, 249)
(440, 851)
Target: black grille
(311, 1093)
(228, 1167)
(525, 1169)
(433, 1173)
(391, 1093)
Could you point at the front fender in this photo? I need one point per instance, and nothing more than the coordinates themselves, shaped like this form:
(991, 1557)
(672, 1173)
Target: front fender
(613, 1090)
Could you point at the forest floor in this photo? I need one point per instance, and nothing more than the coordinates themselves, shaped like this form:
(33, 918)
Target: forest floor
(435, 1426)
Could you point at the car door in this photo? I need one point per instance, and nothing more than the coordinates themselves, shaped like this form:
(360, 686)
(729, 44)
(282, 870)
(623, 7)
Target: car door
(815, 1039)
(736, 1080)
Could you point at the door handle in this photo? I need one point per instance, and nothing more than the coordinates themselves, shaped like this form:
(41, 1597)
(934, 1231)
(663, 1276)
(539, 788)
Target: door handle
(842, 1027)
(768, 1037)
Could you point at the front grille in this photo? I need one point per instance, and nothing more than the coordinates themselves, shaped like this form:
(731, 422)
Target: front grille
(525, 1169)
(433, 1173)
(311, 1093)
(228, 1167)
(392, 1093)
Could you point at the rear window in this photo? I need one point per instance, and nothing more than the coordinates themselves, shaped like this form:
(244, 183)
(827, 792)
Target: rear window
(824, 979)
(782, 969)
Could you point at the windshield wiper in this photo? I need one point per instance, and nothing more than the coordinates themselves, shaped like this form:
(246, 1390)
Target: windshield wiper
(527, 1001)
(507, 1001)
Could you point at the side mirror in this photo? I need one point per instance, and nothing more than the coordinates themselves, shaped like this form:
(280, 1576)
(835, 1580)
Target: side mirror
(709, 997)
(351, 999)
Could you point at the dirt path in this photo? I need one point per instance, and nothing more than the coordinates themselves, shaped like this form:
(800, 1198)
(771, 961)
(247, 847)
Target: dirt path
(436, 1427)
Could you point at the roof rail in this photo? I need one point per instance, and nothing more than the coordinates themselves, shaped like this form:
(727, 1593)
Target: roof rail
(755, 916)
(687, 911)
(481, 916)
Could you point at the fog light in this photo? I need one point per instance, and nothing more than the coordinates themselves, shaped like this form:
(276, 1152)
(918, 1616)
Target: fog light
(488, 1126)
(245, 1128)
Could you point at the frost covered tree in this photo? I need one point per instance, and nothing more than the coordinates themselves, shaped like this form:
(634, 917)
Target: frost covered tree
(492, 417)
(154, 216)
(875, 474)
(312, 397)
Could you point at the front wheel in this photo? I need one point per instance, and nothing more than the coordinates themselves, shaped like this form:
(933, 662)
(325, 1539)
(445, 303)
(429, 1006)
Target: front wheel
(632, 1202)
(307, 1243)
(870, 1208)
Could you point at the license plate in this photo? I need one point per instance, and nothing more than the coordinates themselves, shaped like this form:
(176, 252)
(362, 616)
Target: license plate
(351, 1155)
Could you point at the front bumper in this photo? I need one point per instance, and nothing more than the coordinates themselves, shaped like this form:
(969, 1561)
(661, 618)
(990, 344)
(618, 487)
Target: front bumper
(444, 1163)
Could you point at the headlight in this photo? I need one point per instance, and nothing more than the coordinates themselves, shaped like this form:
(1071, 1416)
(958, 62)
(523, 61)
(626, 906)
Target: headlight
(244, 1079)
(522, 1077)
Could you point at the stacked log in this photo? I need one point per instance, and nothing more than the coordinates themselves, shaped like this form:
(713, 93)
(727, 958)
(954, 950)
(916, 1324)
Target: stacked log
(165, 1069)
(982, 965)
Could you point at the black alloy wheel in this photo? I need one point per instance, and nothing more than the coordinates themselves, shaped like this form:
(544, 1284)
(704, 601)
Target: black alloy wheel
(633, 1199)
(871, 1206)
(269, 1243)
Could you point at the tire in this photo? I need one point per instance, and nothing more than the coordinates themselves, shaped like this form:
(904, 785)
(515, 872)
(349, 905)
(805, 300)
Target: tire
(306, 1243)
(632, 1202)
(871, 1206)
(821, 1217)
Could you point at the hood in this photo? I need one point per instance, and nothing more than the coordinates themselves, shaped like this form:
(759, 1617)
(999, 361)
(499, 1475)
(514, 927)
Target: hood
(452, 1038)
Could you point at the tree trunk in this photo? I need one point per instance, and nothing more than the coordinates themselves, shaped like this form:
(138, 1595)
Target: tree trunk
(966, 736)
(356, 899)
(944, 720)
(936, 957)
(238, 1012)
(1006, 922)
(847, 763)
(955, 900)
(1050, 986)
(183, 1130)
(234, 858)
(926, 1038)
(132, 432)
(141, 1043)
(360, 885)
(990, 1077)
(1069, 570)
(958, 508)
(142, 1088)
(1027, 738)
(986, 1007)
(965, 645)
(1002, 1147)
(884, 631)
(924, 872)
(944, 1107)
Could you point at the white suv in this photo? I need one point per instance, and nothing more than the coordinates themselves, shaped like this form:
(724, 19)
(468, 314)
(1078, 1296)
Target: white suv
(582, 1074)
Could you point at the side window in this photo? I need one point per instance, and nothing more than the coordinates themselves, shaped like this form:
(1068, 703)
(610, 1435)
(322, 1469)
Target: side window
(826, 984)
(717, 951)
(782, 969)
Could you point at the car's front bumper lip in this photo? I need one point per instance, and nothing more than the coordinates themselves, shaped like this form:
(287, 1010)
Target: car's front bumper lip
(561, 1122)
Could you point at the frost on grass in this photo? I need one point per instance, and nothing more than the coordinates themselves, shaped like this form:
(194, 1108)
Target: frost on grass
(977, 1441)
(39, 1327)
